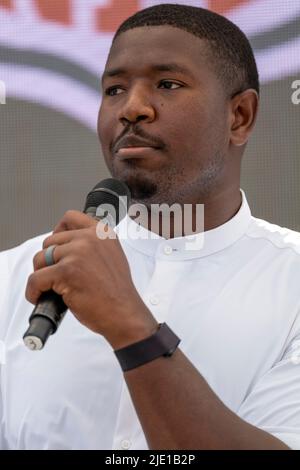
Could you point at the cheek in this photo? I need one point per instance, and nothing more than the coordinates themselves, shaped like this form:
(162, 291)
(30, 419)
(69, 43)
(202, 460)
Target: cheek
(195, 128)
(101, 124)
(105, 129)
(206, 127)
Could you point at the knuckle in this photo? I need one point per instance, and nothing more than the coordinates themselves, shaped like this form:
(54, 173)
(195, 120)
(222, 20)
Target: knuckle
(30, 288)
(31, 281)
(45, 242)
(35, 260)
(81, 246)
(64, 267)
(69, 214)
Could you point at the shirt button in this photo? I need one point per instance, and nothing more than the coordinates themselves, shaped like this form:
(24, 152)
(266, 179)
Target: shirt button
(125, 444)
(168, 250)
(154, 300)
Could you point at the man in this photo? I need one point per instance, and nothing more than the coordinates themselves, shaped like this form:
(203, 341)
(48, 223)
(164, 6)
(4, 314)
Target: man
(182, 81)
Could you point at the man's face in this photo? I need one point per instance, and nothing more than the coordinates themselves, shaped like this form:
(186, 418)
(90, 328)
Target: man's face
(184, 113)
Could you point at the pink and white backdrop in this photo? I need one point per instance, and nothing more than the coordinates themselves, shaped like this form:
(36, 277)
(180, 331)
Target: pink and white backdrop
(52, 53)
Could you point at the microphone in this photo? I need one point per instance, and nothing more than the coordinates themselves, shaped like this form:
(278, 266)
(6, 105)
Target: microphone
(108, 201)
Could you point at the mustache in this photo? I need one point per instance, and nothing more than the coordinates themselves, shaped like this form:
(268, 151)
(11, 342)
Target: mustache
(139, 133)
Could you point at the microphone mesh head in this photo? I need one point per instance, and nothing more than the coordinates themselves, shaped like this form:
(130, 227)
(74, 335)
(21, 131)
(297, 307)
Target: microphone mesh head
(109, 192)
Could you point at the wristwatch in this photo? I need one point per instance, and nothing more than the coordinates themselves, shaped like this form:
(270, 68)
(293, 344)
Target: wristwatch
(162, 343)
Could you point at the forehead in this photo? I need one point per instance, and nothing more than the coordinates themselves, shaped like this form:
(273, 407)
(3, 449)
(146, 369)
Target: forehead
(153, 46)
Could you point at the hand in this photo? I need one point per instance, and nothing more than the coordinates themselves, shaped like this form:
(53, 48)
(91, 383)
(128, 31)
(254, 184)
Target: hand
(93, 277)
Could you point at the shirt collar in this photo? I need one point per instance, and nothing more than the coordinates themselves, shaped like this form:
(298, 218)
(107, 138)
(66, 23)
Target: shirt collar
(188, 247)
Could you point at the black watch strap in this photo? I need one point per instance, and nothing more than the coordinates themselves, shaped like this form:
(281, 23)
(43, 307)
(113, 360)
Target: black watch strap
(162, 343)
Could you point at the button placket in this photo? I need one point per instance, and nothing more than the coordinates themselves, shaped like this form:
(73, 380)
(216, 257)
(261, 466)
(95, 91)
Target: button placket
(160, 291)
(127, 424)
(167, 250)
(154, 300)
(125, 444)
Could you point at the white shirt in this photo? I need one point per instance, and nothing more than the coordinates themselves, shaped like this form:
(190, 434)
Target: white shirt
(234, 303)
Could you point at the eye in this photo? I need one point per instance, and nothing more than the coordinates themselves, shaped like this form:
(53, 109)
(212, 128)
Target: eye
(172, 83)
(109, 90)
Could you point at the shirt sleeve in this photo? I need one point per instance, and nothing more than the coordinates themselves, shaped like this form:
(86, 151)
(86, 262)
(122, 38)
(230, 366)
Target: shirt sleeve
(273, 404)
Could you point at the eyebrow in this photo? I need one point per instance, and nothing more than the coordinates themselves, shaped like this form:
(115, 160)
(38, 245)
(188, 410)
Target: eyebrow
(171, 67)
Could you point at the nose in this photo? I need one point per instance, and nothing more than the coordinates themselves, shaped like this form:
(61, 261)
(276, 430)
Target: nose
(137, 107)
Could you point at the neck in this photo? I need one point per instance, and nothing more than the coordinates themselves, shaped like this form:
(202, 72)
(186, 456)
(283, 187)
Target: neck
(216, 210)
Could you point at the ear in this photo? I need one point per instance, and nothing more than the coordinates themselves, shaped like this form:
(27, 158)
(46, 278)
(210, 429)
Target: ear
(244, 108)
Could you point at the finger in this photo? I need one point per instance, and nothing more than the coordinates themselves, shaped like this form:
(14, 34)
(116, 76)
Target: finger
(41, 281)
(39, 259)
(74, 220)
(61, 238)
(104, 231)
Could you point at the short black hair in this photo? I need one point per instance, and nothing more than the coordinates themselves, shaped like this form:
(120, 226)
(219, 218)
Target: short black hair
(229, 48)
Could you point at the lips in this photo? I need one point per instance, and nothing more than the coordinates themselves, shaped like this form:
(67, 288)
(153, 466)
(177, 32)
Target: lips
(131, 141)
(135, 152)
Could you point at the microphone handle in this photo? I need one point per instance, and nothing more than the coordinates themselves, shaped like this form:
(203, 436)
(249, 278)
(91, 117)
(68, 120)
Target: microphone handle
(44, 320)
(51, 309)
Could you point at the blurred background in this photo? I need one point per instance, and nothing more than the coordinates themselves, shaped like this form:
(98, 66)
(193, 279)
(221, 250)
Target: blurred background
(52, 53)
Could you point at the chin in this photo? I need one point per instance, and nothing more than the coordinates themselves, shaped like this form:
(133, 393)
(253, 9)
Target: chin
(142, 188)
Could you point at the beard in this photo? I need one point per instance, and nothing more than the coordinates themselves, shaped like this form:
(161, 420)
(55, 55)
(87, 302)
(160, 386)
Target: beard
(174, 185)
(142, 185)
(141, 188)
